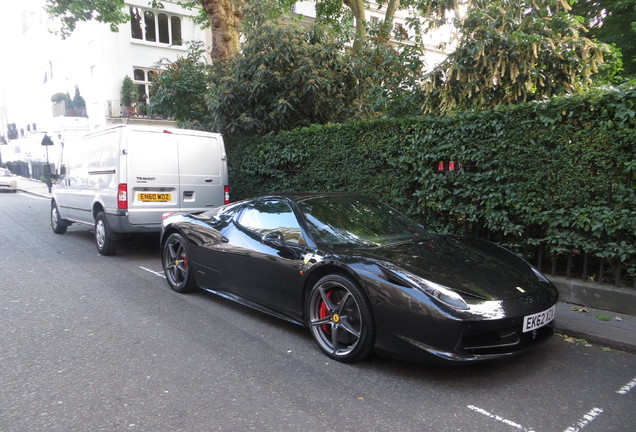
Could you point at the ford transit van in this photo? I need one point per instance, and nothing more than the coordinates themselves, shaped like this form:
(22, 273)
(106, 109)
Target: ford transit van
(122, 179)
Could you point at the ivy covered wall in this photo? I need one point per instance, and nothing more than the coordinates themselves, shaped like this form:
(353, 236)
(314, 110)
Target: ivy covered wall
(552, 180)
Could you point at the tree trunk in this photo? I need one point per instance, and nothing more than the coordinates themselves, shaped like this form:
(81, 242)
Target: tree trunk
(357, 8)
(225, 19)
(391, 7)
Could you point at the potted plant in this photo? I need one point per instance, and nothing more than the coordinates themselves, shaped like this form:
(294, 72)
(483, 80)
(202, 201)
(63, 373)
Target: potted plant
(68, 105)
(58, 100)
(129, 95)
(58, 97)
(79, 104)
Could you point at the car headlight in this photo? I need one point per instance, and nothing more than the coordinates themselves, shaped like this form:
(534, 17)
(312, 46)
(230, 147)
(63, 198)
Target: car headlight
(440, 292)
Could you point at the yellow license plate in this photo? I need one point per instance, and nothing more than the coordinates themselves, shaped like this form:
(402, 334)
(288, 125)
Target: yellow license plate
(154, 197)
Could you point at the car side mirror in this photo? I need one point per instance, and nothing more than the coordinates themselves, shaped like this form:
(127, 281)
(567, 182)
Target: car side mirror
(275, 239)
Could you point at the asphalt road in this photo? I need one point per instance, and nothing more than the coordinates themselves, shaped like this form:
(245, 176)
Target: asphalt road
(94, 343)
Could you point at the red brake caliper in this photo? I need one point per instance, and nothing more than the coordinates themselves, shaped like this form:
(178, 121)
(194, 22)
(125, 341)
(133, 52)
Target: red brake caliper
(323, 312)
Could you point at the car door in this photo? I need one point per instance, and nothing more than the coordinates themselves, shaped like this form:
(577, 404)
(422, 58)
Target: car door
(260, 272)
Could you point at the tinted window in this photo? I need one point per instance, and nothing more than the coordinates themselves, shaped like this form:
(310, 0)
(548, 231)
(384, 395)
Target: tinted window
(149, 19)
(176, 30)
(164, 36)
(135, 23)
(267, 216)
(357, 221)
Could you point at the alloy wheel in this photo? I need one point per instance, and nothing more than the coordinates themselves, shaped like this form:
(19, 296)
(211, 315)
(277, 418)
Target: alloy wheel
(335, 319)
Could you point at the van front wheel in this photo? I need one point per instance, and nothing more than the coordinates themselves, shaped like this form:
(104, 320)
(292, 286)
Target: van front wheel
(104, 236)
(59, 226)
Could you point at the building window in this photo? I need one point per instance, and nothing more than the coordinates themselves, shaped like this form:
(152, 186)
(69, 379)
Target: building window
(149, 20)
(155, 27)
(135, 23)
(400, 32)
(143, 79)
(176, 30)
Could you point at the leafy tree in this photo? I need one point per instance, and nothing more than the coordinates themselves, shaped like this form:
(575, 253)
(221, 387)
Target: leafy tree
(286, 76)
(612, 22)
(70, 12)
(179, 91)
(433, 10)
(512, 51)
(391, 77)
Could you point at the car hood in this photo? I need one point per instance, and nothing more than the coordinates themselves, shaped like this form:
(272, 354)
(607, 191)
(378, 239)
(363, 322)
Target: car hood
(470, 266)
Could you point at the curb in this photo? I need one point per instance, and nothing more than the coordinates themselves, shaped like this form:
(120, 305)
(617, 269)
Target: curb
(598, 340)
(38, 194)
(598, 296)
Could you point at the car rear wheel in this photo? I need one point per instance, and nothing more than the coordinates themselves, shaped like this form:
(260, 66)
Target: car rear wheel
(340, 319)
(176, 264)
(58, 225)
(106, 245)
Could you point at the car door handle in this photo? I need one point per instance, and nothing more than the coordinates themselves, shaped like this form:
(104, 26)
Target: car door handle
(208, 180)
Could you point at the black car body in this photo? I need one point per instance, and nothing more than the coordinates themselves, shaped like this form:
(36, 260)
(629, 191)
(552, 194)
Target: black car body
(363, 277)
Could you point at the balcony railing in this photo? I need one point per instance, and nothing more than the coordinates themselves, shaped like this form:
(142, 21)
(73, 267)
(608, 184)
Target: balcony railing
(60, 110)
(138, 110)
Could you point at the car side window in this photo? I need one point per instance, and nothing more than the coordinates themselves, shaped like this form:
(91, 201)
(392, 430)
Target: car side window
(267, 216)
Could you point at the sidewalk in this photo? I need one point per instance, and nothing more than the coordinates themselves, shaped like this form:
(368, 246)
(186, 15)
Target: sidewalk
(599, 314)
(33, 186)
(597, 326)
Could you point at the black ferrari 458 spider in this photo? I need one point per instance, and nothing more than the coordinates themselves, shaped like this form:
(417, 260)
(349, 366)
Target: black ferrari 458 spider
(363, 277)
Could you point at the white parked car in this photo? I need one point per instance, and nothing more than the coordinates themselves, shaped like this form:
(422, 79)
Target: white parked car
(7, 181)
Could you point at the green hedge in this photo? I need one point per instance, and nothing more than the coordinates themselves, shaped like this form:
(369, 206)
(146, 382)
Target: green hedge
(550, 179)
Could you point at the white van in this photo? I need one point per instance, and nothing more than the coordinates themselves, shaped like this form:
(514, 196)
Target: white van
(123, 178)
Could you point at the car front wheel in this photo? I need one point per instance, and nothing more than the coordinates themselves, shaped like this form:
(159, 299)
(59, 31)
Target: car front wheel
(340, 319)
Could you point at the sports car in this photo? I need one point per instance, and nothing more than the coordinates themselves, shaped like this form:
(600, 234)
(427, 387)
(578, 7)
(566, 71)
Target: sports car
(363, 277)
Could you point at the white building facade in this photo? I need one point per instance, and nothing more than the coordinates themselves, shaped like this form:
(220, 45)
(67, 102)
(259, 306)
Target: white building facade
(95, 60)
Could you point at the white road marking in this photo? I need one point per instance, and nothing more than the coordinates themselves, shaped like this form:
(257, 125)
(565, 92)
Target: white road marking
(153, 272)
(627, 387)
(586, 420)
(499, 419)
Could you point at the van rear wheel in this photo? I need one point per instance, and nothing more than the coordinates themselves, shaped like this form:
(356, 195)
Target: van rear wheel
(104, 241)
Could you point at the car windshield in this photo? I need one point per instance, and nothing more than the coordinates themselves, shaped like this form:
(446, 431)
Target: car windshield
(357, 221)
